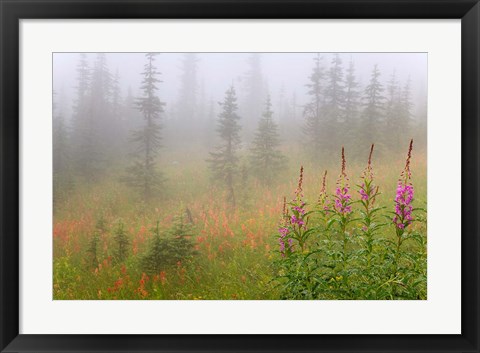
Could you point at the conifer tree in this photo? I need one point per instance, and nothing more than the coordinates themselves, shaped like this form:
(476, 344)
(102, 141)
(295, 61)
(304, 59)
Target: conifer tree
(334, 105)
(100, 139)
(266, 160)
(392, 106)
(404, 120)
(350, 124)
(373, 112)
(224, 160)
(143, 174)
(61, 151)
(187, 97)
(121, 241)
(82, 120)
(251, 106)
(313, 128)
(166, 250)
(352, 95)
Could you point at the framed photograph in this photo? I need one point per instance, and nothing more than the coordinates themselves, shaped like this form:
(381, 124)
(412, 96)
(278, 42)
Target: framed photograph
(239, 176)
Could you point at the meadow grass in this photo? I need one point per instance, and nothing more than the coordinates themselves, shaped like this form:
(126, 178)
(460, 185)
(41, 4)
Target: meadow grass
(236, 249)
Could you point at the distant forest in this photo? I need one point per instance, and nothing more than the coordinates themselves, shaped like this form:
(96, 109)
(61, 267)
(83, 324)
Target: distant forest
(105, 125)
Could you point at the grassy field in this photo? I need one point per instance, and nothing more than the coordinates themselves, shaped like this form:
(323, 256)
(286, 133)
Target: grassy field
(235, 250)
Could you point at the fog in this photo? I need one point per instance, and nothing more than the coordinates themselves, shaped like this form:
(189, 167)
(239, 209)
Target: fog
(230, 110)
(213, 175)
(283, 74)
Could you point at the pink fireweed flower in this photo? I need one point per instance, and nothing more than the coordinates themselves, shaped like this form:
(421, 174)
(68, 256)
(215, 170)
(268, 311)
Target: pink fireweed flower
(295, 220)
(362, 193)
(282, 246)
(404, 195)
(299, 191)
(368, 191)
(283, 232)
(323, 200)
(403, 206)
(342, 195)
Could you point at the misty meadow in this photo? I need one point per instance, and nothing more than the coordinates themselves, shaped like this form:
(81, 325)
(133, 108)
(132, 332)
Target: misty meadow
(239, 176)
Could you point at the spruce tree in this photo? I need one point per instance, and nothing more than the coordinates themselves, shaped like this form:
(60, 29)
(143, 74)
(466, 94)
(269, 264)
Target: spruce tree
(118, 118)
(313, 128)
(352, 107)
(404, 120)
(334, 105)
(143, 174)
(121, 241)
(82, 122)
(62, 181)
(266, 160)
(99, 137)
(224, 160)
(352, 96)
(187, 97)
(373, 113)
(254, 93)
(392, 107)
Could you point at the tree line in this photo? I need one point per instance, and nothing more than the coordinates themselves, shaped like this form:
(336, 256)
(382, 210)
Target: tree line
(339, 112)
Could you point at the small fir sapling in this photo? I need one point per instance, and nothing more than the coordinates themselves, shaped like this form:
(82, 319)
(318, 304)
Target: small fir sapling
(122, 242)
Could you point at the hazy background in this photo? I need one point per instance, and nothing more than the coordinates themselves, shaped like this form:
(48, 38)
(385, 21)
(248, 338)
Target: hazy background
(282, 73)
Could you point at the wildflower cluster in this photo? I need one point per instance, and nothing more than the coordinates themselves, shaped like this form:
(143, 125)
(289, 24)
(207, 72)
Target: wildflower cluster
(284, 230)
(294, 224)
(345, 255)
(404, 196)
(342, 191)
(368, 190)
(323, 199)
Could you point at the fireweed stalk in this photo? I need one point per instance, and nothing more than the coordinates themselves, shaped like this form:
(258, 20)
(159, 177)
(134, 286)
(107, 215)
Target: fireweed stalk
(323, 202)
(294, 222)
(368, 193)
(342, 206)
(403, 205)
(299, 217)
(284, 231)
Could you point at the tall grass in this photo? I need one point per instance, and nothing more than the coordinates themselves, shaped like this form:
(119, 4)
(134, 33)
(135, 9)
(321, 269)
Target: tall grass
(236, 251)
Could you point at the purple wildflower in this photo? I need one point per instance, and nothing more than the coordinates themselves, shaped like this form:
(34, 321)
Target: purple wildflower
(290, 244)
(323, 200)
(403, 205)
(296, 220)
(283, 232)
(362, 193)
(282, 246)
(368, 191)
(404, 195)
(343, 197)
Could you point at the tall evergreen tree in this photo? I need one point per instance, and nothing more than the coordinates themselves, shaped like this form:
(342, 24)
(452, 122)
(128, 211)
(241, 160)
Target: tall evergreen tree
(101, 114)
(61, 150)
(187, 97)
(392, 106)
(266, 160)
(91, 120)
(224, 160)
(143, 174)
(352, 107)
(313, 128)
(254, 93)
(334, 105)
(352, 95)
(373, 113)
(404, 120)
(82, 122)
(118, 126)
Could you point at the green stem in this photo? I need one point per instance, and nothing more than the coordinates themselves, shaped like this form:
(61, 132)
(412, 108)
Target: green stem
(397, 253)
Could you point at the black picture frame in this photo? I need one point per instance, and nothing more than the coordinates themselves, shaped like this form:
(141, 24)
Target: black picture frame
(12, 11)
